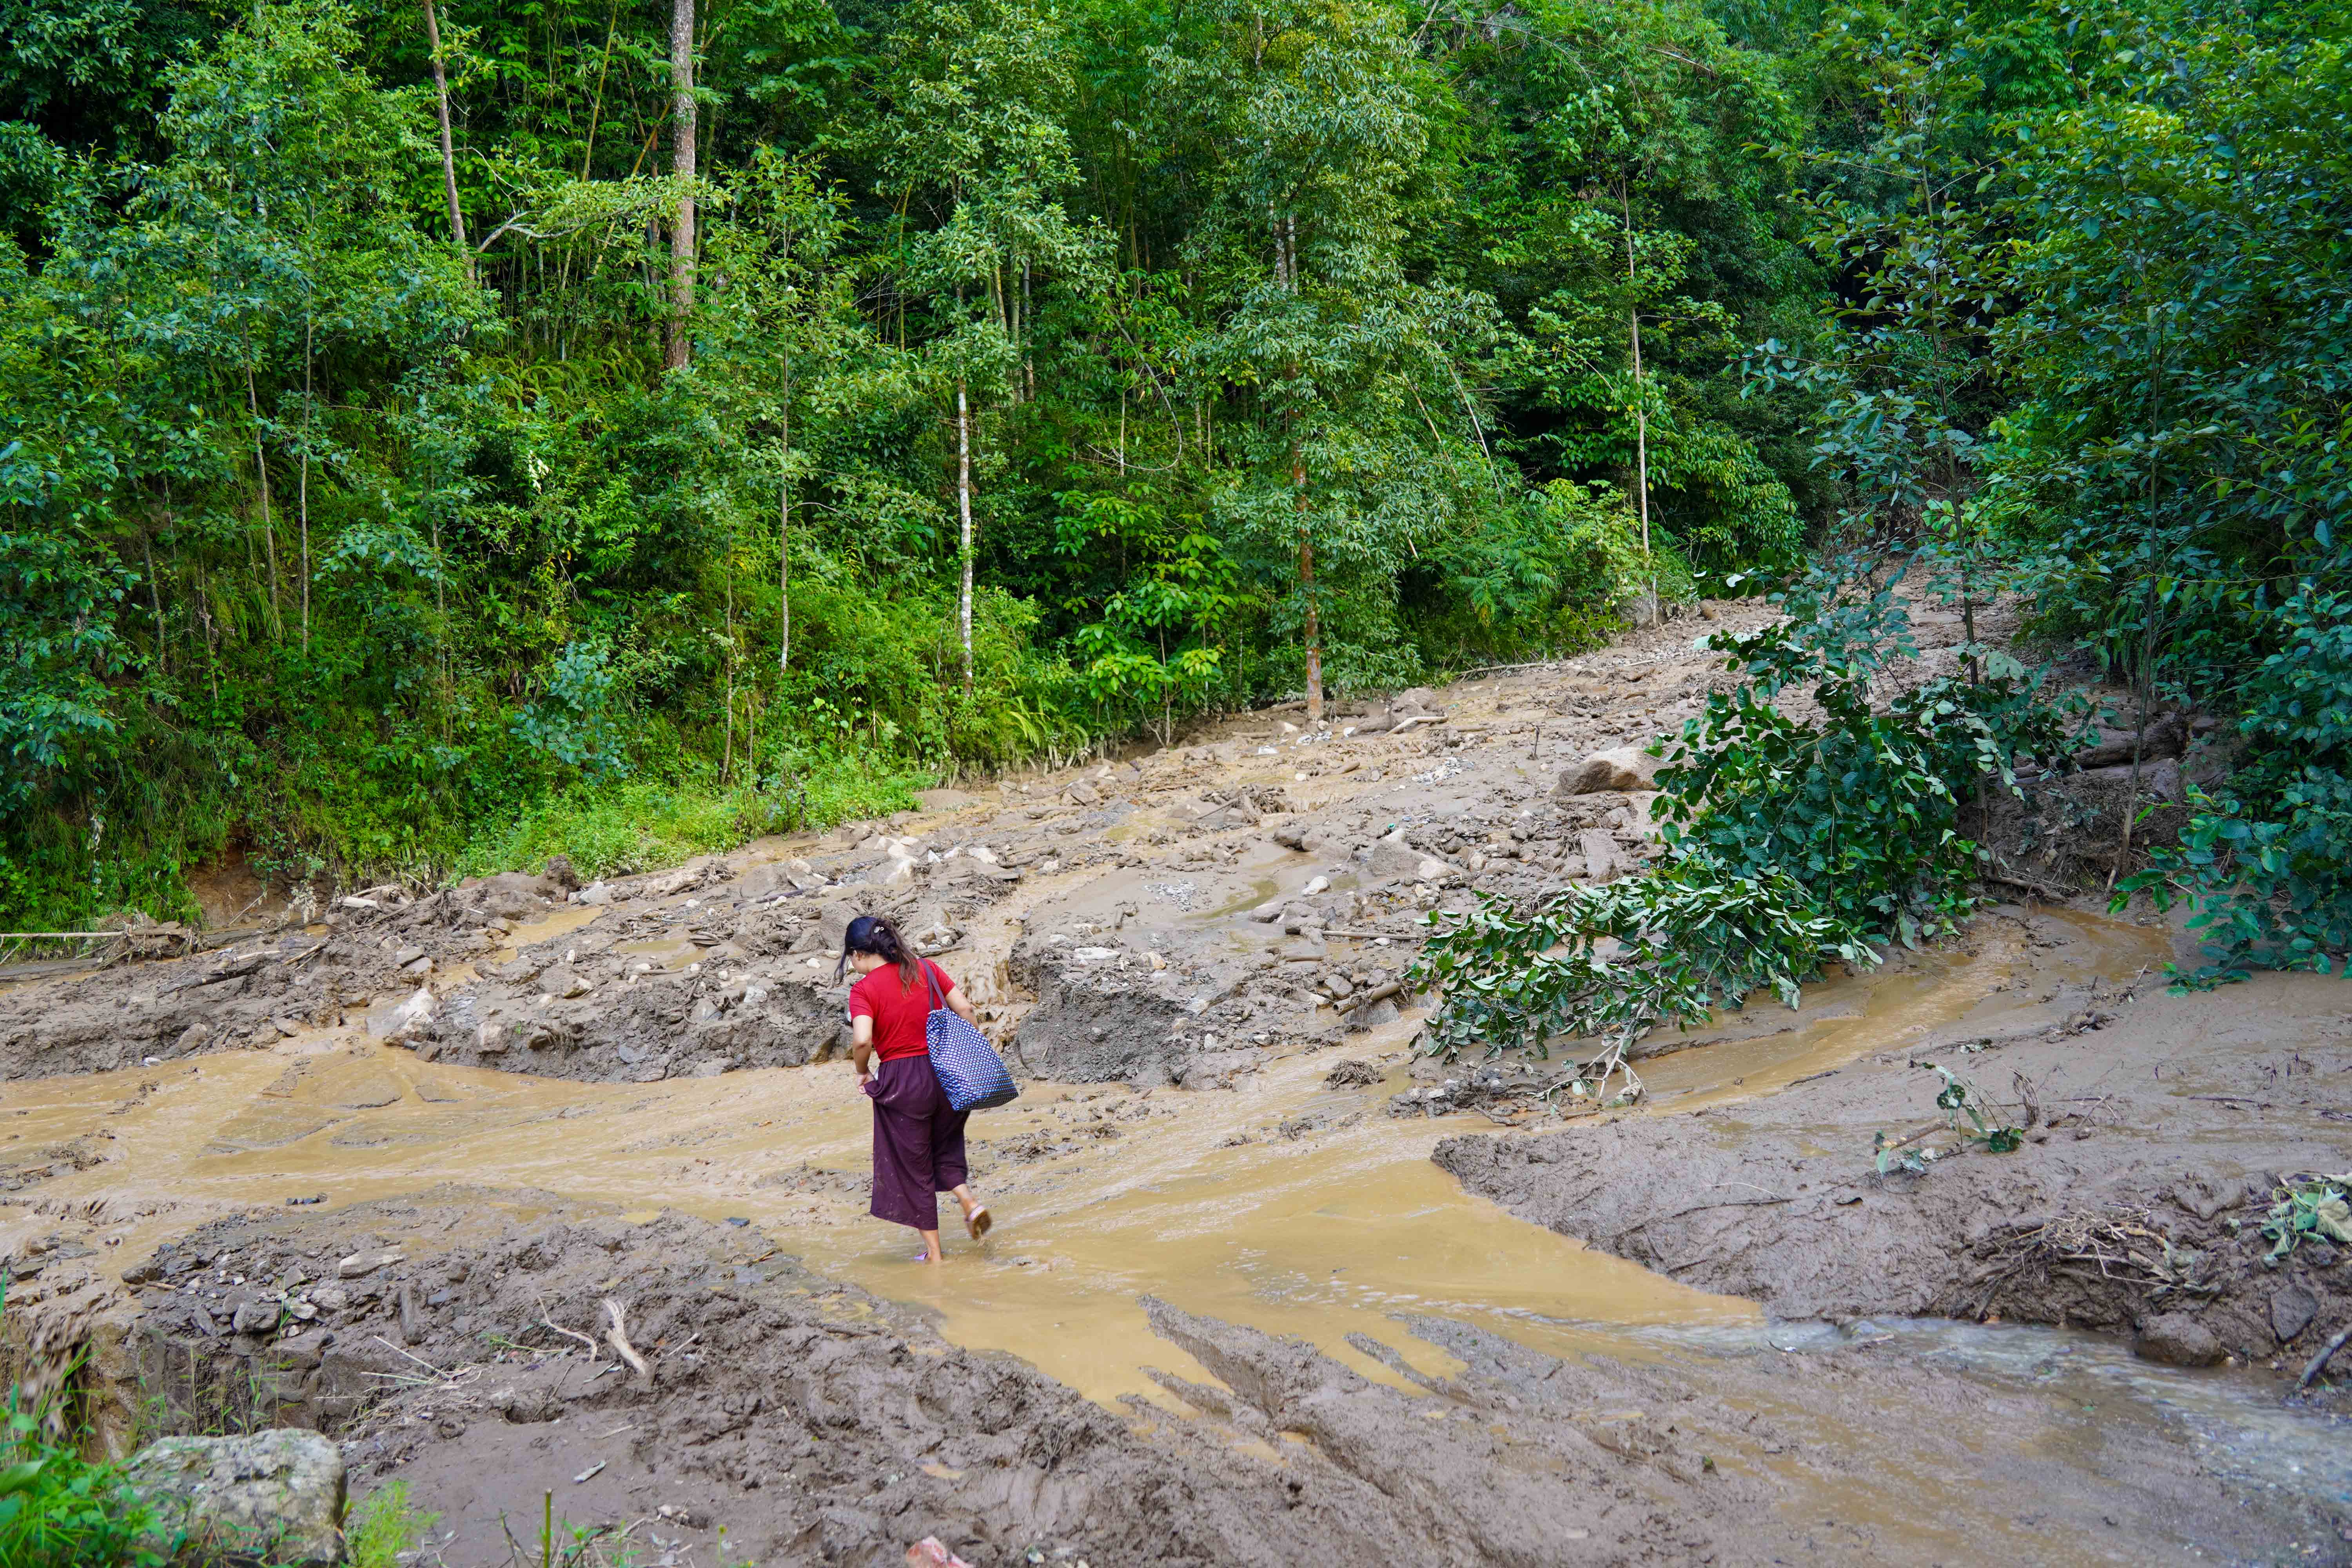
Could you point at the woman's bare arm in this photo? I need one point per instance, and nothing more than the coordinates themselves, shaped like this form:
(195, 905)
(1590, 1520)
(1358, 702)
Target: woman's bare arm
(861, 1043)
(961, 1008)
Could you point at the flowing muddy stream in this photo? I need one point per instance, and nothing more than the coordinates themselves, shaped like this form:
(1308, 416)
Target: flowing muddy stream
(1283, 1204)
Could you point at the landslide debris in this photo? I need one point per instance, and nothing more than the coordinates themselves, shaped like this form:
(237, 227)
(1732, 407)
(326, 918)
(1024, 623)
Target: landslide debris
(462, 1340)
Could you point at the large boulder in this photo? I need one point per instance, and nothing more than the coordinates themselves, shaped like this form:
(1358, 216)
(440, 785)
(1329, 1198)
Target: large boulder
(273, 1497)
(1623, 768)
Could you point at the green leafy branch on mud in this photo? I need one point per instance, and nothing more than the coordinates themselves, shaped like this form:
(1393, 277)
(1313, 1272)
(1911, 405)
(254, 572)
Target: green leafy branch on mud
(1988, 1129)
(1612, 963)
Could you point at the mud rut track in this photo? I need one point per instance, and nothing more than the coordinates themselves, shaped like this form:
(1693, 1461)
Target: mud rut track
(1103, 921)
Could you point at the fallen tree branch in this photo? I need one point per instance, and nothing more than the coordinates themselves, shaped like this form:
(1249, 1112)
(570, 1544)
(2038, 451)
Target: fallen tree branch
(1366, 998)
(2318, 1363)
(2043, 890)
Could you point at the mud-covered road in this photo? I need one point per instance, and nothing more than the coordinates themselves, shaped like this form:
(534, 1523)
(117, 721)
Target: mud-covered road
(1264, 1289)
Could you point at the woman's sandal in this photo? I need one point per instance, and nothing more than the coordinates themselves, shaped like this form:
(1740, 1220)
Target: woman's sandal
(978, 1221)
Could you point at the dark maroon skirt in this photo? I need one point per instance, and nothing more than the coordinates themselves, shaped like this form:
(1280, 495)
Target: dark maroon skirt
(918, 1142)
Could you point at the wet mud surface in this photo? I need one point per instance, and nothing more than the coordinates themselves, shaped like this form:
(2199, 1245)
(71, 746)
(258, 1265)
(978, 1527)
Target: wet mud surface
(2157, 1131)
(1263, 1288)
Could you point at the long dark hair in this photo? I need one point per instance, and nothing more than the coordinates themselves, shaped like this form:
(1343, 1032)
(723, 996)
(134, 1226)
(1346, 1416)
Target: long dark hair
(876, 935)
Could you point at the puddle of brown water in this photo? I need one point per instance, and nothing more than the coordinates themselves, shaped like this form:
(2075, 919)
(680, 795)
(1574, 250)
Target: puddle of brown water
(1316, 1237)
(565, 920)
(1853, 1016)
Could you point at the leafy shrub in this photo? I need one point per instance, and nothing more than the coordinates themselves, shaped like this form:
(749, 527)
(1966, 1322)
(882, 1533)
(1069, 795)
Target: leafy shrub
(58, 1510)
(572, 722)
(1861, 809)
(2266, 866)
(1683, 942)
(1788, 841)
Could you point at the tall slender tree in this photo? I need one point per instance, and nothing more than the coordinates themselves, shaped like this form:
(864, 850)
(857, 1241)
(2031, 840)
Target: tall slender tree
(678, 344)
(449, 145)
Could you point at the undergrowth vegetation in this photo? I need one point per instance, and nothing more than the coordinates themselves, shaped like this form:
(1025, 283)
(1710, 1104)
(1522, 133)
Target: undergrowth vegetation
(59, 1510)
(2088, 356)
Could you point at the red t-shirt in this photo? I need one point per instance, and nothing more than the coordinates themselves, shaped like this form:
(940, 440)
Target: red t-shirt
(897, 1009)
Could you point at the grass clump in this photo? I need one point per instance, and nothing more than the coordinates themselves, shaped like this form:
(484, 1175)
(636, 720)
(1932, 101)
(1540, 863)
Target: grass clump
(383, 1525)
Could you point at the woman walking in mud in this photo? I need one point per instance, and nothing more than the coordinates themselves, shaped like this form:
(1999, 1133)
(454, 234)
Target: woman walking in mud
(917, 1135)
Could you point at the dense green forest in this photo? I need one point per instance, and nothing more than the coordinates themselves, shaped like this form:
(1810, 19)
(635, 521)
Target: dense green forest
(434, 433)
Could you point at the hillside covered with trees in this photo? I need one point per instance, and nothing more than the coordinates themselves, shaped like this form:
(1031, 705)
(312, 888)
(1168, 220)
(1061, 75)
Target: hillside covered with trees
(435, 434)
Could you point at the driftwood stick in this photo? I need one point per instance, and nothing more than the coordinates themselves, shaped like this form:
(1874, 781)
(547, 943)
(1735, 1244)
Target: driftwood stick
(616, 1332)
(548, 1321)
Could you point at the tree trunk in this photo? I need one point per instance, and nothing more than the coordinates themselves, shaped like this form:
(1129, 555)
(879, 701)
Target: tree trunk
(727, 758)
(268, 529)
(1306, 586)
(1641, 405)
(784, 554)
(448, 150)
(155, 601)
(963, 516)
(678, 348)
(303, 497)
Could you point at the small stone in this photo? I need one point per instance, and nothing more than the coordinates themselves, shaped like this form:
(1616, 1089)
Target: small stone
(406, 956)
(1600, 859)
(2292, 1309)
(254, 1318)
(1621, 768)
(2177, 1338)
(1081, 792)
(360, 1264)
(1316, 884)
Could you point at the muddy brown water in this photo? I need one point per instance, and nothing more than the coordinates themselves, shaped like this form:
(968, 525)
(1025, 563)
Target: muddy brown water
(1282, 1205)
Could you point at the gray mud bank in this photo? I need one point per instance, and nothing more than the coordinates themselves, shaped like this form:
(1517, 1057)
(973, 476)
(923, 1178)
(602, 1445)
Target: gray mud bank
(2158, 1131)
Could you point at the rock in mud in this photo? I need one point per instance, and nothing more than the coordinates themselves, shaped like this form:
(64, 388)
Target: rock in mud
(1097, 1024)
(517, 895)
(273, 1497)
(2292, 1309)
(1393, 859)
(1602, 860)
(2177, 1338)
(1623, 769)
